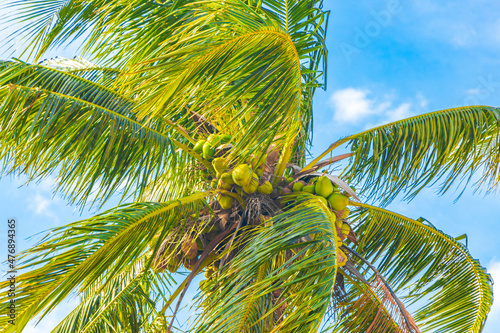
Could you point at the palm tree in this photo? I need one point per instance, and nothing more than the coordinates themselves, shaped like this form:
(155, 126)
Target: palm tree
(199, 113)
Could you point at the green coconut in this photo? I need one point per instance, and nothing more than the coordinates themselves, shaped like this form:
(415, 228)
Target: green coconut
(198, 147)
(208, 151)
(308, 189)
(323, 200)
(338, 201)
(346, 229)
(219, 165)
(345, 213)
(265, 188)
(297, 187)
(174, 264)
(227, 178)
(253, 185)
(226, 138)
(223, 185)
(323, 187)
(242, 174)
(225, 201)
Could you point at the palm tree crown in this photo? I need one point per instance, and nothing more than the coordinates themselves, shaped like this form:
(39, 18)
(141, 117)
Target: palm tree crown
(199, 114)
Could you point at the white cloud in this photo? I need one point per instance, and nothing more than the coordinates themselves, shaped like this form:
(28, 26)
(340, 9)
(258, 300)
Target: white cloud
(351, 104)
(42, 206)
(494, 270)
(493, 321)
(401, 112)
(355, 106)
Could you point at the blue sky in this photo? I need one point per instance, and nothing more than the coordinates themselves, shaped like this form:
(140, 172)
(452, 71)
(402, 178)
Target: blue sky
(387, 60)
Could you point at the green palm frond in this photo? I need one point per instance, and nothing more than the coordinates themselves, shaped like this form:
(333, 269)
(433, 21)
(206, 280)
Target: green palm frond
(74, 257)
(100, 23)
(85, 132)
(282, 278)
(189, 58)
(125, 303)
(407, 155)
(450, 289)
(365, 307)
(217, 75)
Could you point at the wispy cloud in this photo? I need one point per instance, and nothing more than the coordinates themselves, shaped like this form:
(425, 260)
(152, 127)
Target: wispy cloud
(494, 270)
(493, 321)
(357, 106)
(42, 205)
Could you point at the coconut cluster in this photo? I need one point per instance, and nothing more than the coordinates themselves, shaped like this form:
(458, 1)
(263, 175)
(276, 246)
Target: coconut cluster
(334, 199)
(247, 195)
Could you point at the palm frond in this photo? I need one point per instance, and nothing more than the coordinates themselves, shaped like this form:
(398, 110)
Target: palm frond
(74, 257)
(365, 307)
(279, 281)
(85, 132)
(219, 77)
(407, 155)
(186, 43)
(100, 23)
(450, 289)
(125, 303)
(369, 308)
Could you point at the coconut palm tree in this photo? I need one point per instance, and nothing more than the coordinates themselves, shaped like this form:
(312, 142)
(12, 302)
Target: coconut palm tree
(198, 114)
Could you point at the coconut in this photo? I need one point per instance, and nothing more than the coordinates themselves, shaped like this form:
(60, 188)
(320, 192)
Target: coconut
(338, 201)
(226, 138)
(208, 273)
(214, 139)
(341, 258)
(308, 189)
(346, 229)
(199, 244)
(202, 285)
(219, 165)
(198, 147)
(189, 247)
(208, 151)
(265, 188)
(323, 200)
(190, 263)
(253, 185)
(323, 187)
(297, 187)
(225, 201)
(173, 264)
(224, 185)
(242, 174)
(345, 213)
(227, 178)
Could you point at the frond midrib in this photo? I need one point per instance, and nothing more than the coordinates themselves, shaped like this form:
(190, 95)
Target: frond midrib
(435, 232)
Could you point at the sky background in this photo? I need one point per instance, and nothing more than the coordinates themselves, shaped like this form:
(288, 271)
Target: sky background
(387, 60)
